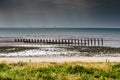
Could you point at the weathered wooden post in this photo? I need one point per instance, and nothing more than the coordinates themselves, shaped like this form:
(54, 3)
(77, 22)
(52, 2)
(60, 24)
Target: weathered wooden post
(98, 42)
(23, 40)
(40, 40)
(52, 41)
(58, 41)
(28, 40)
(102, 41)
(43, 40)
(46, 40)
(71, 41)
(94, 42)
(91, 41)
(15, 40)
(55, 41)
(20, 40)
(37, 40)
(88, 41)
(81, 42)
(78, 41)
(64, 41)
(75, 41)
(49, 41)
(84, 42)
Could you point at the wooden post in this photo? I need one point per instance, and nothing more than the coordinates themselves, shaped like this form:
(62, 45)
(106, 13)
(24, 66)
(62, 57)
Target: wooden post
(52, 41)
(78, 41)
(23, 40)
(91, 41)
(28, 40)
(46, 41)
(31, 40)
(37, 40)
(102, 41)
(68, 41)
(62, 41)
(34, 40)
(65, 41)
(71, 42)
(15, 40)
(98, 42)
(49, 41)
(58, 41)
(88, 41)
(75, 41)
(84, 42)
(55, 41)
(94, 41)
(81, 42)
(20, 40)
(43, 41)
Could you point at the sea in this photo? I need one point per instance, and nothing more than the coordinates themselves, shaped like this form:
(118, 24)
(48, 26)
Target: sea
(111, 36)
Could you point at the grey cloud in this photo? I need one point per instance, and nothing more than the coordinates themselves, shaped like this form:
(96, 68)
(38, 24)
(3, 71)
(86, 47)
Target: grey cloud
(58, 12)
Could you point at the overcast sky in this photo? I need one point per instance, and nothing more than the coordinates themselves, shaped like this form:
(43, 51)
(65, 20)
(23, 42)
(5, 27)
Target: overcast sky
(60, 13)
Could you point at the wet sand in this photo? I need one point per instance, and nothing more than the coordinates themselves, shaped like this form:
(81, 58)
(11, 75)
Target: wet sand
(60, 59)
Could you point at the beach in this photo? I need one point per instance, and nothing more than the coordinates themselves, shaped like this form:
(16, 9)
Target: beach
(12, 51)
(59, 59)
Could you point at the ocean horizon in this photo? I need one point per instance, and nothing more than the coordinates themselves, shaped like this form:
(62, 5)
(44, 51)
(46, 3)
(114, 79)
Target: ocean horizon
(111, 36)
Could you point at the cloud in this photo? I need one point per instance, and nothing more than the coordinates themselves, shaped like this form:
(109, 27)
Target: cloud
(66, 12)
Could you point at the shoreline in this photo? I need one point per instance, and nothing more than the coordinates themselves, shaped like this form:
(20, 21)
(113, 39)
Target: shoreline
(59, 59)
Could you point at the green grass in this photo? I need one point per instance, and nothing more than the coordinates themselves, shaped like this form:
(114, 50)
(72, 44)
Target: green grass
(59, 71)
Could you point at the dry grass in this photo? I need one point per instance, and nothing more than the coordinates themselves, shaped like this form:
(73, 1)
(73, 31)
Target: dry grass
(59, 71)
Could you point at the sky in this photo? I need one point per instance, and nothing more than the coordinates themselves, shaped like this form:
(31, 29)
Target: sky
(60, 13)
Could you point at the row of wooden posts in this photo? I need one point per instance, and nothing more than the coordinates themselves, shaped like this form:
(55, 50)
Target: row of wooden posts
(84, 42)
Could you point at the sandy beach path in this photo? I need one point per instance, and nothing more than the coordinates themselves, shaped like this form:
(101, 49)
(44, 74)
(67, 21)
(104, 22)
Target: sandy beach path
(60, 59)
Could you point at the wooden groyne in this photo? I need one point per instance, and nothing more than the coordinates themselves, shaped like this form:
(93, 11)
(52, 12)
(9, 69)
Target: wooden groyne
(82, 42)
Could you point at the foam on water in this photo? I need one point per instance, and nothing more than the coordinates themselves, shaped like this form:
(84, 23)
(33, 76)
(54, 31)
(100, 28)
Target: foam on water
(111, 37)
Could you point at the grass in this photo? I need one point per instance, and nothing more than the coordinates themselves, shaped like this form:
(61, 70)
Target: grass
(60, 71)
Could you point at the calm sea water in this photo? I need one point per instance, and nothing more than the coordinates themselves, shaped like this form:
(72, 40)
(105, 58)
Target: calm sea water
(111, 38)
(111, 35)
(107, 33)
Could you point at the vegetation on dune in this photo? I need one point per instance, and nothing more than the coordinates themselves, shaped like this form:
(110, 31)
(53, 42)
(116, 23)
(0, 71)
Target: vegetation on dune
(59, 71)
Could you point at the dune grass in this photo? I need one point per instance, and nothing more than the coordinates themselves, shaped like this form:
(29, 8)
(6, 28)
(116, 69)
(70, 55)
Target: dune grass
(60, 71)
